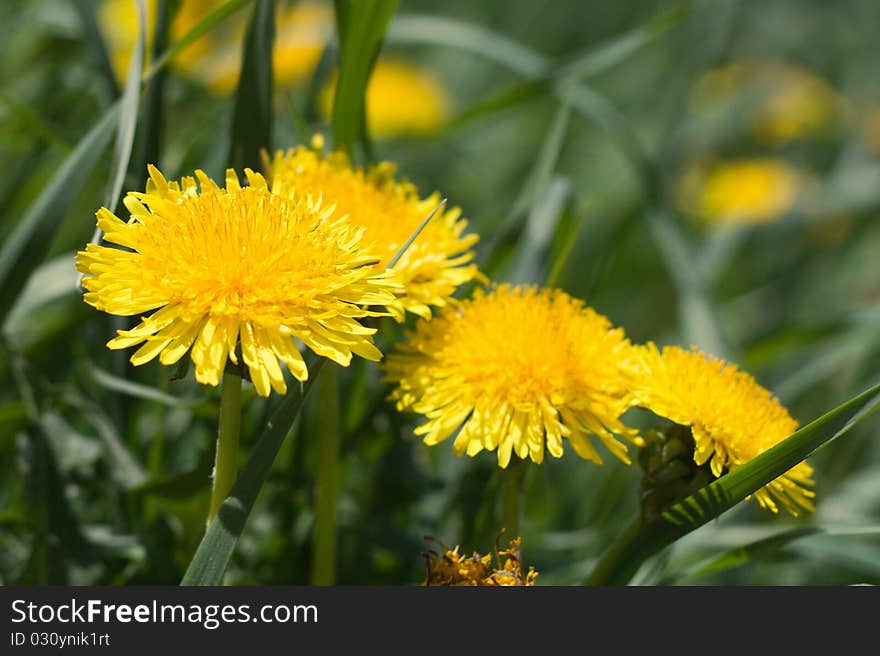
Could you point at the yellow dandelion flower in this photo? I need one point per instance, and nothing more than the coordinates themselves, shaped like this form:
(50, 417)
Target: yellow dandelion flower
(244, 267)
(118, 20)
(452, 569)
(389, 211)
(732, 418)
(402, 99)
(781, 101)
(301, 32)
(515, 369)
(745, 191)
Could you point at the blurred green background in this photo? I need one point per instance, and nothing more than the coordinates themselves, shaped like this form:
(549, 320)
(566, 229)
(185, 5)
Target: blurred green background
(701, 173)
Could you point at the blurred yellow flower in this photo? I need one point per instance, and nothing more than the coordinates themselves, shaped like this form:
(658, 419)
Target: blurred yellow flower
(732, 418)
(236, 266)
(301, 32)
(402, 99)
(781, 101)
(453, 569)
(757, 190)
(118, 20)
(514, 369)
(389, 211)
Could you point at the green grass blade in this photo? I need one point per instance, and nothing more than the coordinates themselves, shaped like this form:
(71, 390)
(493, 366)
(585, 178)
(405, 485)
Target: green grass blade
(530, 267)
(125, 469)
(151, 123)
(215, 549)
(641, 542)
(697, 313)
(24, 248)
(198, 30)
(93, 36)
(564, 241)
(399, 254)
(741, 555)
(436, 30)
(534, 190)
(764, 547)
(544, 74)
(128, 115)
(361, 27)
(139, 391)
(253, 117)
(29, 118)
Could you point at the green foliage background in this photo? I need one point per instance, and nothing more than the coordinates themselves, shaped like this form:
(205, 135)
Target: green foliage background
(572, 125)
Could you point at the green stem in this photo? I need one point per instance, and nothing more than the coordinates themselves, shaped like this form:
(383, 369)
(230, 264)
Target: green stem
(326, 484)
(227, 441)
(621, 560)
(512, 480)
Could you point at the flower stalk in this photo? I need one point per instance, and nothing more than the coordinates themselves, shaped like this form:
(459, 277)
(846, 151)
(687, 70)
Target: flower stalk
(225, 469)
(326, 487)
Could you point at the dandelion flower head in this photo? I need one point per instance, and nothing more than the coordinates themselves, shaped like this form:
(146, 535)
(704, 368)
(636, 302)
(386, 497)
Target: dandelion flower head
(516, 370)
(732, 418)
(233, 267)
(781, 101)
(401, 99)
(302, 30)
(389, 211)
(744, 191)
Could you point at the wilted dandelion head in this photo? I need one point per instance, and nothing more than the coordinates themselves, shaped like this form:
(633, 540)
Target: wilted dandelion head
(741, 191)
(513, 370)
(236, 266)
(389, 211)
(452, 569)
(732, 418)
(401, 99)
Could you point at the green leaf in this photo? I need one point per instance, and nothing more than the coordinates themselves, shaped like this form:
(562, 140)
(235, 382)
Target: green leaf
(742, 555)
(534, 245)
(531, 199)
(126, 471)
(139, 391)
(544, 74)
(86, 10)
(49, 283)
(128, 114)
(698, 316)
(214, 551)
(198, 30)
(152, 120)
(765, 547)
(25, 247)
(181, 485)
(642, 541)
(31, 120)
(361, 26)
(400, 251)
(252, 118)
